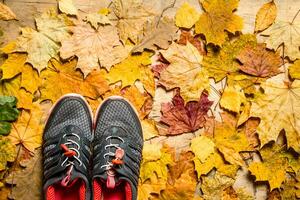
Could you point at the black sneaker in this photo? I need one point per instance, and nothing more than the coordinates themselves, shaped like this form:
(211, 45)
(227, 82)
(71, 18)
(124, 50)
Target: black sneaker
(67, 140)
(117, 151)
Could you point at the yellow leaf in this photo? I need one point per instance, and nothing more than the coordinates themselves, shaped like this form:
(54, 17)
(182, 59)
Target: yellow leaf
(8, 152)
(151, 152)
(133, 68)
(6, 13)
(27, 130)
(287, 33)
(272, 168)
(217, 18)
(184, 71)
(43, 44)
(265, 16)
(146, 189)
(95, 19)
(104, 11)
(278, 109)
(294, 70)
(186, 16)
(149, 129)
(203, 147)
(14, 65)
(67, 6)
(61, 78)
(93, 47)
(232, 98)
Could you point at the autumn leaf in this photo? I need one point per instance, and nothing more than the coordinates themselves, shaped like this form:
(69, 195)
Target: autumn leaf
(61, 78)
(14, 65)
(232, 98)
(96, 18)
(145, 190)
(287, 33)
(131, 15)
(8, 152)
(133, 68)
(272, 168)
(278, 109)
(67, 6)
(294, 70)
(157, 33)
(6, 13)
(8, 113)
(203, 147)
(265, 16)
(186, 16)
(149, 129)
(184, 71)
(218, 18)
(258, 61)
(182, 117)
(43, 44)
(27, 130)
(92, 47)
(186, 36)
(291, 188)
(28, 182)
(12, 87)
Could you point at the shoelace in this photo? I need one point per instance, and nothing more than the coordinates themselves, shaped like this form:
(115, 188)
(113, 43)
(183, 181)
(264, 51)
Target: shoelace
(71, 152)
(116, 160)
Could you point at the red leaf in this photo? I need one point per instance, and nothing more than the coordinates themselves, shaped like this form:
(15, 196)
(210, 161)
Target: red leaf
(185, 118)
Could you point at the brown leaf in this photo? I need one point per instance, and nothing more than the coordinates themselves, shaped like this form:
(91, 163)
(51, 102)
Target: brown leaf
(185, 118)
(160, 66)
(265, 16)
(258, 61)
(186, 36)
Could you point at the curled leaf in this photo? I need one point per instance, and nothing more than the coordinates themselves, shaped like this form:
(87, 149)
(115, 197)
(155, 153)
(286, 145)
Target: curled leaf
(265, 16)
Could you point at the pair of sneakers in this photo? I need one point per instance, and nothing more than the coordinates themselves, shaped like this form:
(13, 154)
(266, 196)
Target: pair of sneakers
(86, 158)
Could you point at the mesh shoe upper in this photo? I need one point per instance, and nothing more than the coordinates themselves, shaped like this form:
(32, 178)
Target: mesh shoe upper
(67, 139)
(118, 128)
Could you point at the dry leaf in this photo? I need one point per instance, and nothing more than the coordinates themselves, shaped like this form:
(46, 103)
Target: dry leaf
(67, 6)
(232, 98)
(184, 71)
(6, 13)
(202, 147)
(96, 18)
(278, 109)
(186, 16)
(8, 152)
(294, 70)
(287, 33)
(93, 47)
(61, 78)
(217, 18)
(28, 182)
(257, 61)
(149, 129)
(186, 36)
(183, 118)
(157, 33)
(265, 16)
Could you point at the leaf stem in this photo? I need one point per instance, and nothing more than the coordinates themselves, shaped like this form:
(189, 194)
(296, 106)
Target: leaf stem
(295, 16)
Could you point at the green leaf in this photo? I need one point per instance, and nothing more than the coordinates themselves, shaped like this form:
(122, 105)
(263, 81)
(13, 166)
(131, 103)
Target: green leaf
(8, 113)
(5, 128)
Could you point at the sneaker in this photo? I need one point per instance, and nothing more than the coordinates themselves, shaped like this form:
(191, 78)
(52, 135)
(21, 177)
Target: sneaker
(117, 151)
(67, 140)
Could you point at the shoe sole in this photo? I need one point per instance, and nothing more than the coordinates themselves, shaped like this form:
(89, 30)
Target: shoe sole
(66, 96)
(112, 98)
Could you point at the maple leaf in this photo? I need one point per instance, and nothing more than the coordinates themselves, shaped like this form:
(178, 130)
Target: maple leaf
(14, 65)
(149, 129)
(287, 33)
(11, 87)
(6, 13)
(184, 71)
(155, 163)
(183, 118)
(218, 18)
(43, 44)
(8, 152)
(27, 182)
(186, 16)
(67, 6)
(131, 15)
(265, 16)
(8, 113)
(257, 61)
(92, 47)
(61, 78)
(290, 188)
(96, 18)
(157, 33)
(186, 36)
(133, 68)
(278, 109)
(202, 147)
(272, 168)
(230, 93)
(27, 130)
(294, 70)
